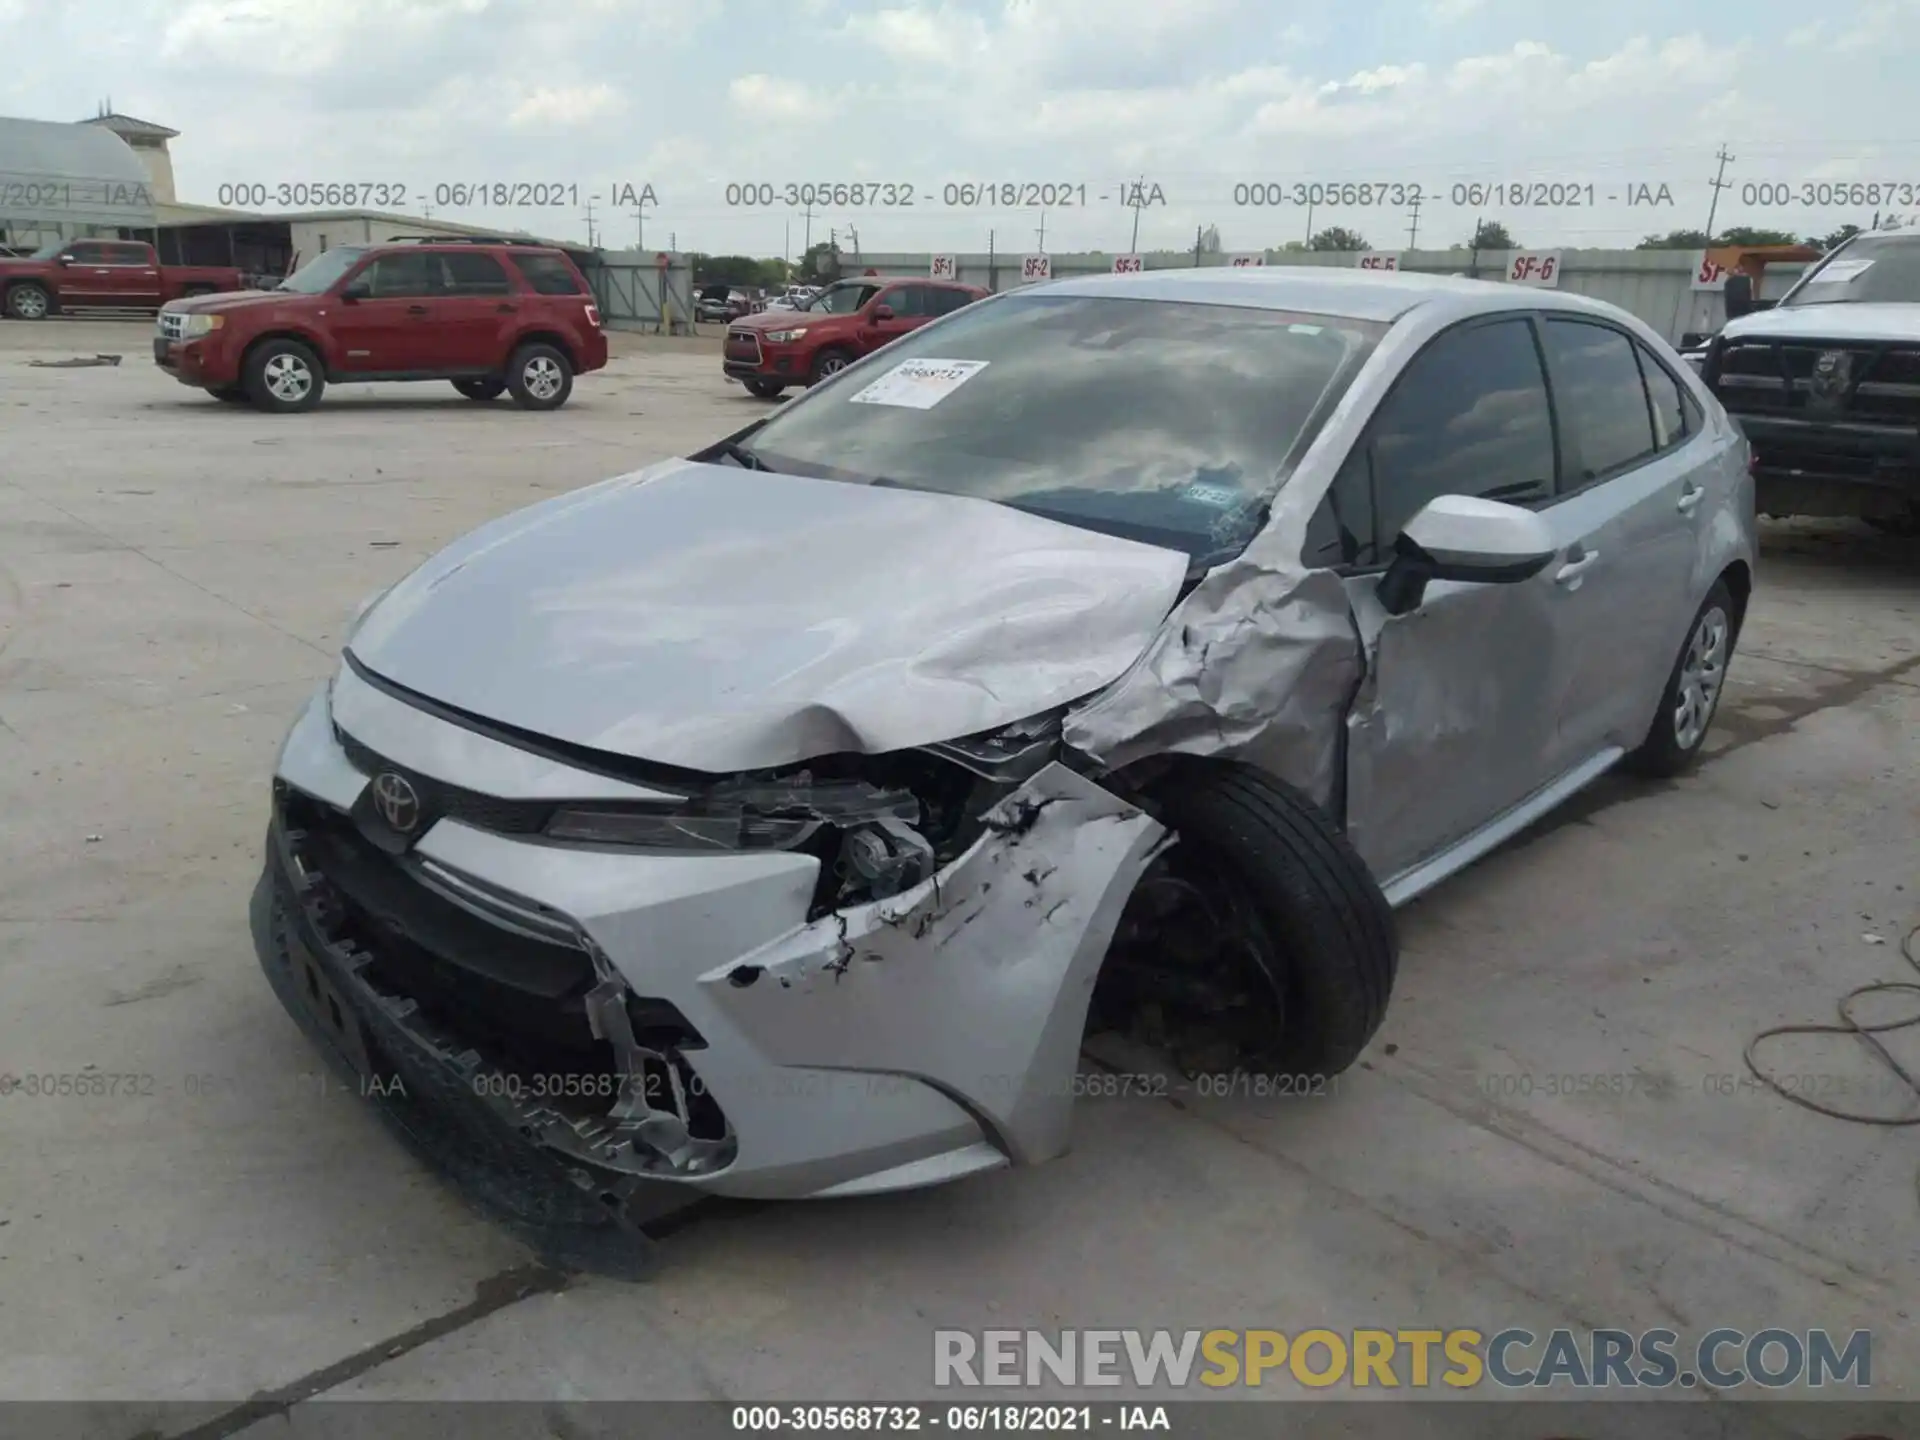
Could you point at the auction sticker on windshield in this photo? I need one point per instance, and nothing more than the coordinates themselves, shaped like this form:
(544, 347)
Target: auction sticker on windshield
(919, 384)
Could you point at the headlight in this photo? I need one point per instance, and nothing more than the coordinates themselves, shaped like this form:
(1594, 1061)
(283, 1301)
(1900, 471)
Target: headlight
(781, 337)
(753, 815)
(198, 325)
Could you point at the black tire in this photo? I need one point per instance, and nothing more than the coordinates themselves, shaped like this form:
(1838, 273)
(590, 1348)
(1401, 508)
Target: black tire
(1674, 741)
(232, 394)
(482, 390)
(539, 376)
(765, 389)
(272, 377)
(829, 362)
(1309, 927)
(27, 301)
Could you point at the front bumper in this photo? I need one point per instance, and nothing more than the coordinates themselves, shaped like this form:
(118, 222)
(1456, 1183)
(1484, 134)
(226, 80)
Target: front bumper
(1834, 451)
(885, 1046)
(198, 363)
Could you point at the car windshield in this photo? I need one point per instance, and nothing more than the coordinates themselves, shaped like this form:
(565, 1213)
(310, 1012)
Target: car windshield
(1173, 424)
(319, 273)
(1872, 269)
(844, 298)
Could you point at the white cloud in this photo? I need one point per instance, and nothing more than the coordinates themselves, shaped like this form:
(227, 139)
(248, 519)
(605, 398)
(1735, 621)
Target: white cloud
(1452, 12)
(565, 105)
(771, 98)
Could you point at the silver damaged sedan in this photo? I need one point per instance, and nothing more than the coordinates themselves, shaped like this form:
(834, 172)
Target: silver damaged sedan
(1107, 658)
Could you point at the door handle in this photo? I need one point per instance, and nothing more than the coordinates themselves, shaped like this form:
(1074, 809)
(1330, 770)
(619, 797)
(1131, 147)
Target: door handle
(508, 309)
(1569, 574)
(416, 309)
(1690, 499)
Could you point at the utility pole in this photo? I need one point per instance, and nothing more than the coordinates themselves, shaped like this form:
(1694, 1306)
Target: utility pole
(993, 270)
(1413, 230)
(591, 243)
(1042, 232)
(1308, 237)
(1136, 201)
(1199, 237)
(807, 215)
(854, 235)
(640, 218)
(1719, 183)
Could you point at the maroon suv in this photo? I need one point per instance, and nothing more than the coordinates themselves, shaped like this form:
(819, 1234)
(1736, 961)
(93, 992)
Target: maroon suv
(773, 349)
(492, 318)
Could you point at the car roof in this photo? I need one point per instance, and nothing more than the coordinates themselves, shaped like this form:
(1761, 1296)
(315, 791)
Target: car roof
(1379, 295)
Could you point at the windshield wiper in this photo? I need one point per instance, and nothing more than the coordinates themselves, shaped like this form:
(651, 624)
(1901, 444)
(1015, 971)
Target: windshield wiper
(744, 457)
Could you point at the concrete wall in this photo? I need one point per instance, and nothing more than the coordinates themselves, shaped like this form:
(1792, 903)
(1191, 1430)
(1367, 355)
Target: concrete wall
(1655, 285)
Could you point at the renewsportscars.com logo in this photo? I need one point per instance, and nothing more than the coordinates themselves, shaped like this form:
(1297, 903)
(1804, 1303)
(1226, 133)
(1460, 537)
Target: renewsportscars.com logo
(1460, 1359)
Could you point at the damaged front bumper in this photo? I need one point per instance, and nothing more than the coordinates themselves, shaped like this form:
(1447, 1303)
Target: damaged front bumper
(629, 1022)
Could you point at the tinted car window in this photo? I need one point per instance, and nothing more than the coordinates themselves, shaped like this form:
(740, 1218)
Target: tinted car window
(945, 301)
(1663, 390)
(1468, 417)
(126, 254)
(551, 275)
(1602, 399)
(475, 274)
(414, 273)
(909, 302)
(843, 299)
(1168, 423)
(89, 254)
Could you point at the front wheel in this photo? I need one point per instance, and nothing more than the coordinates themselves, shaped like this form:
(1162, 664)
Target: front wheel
(539, 377)
(829, 364)
(29, 302)
(284, 376)
(1258, 944)
(481, 389)
(1693, 691)
(765, 389)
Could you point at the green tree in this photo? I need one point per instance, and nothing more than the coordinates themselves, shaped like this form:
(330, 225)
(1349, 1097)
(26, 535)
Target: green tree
(1338, 237)
(1675, 240)
(821, 262)
(1296, 247)
(1491, 235)
(1750, 235)
(1833, 239)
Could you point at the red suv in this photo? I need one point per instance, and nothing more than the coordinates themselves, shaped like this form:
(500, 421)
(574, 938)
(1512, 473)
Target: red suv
(773, 349)
(490, 317)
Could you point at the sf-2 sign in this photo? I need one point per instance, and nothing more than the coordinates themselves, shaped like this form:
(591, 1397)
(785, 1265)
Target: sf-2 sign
(1037, 267)
(1534, 267)
(1127, 265)
(945, 267)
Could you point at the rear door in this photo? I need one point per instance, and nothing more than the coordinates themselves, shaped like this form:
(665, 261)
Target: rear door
(467, 326)
(132, 276)
(387, 332)
(1628, 500)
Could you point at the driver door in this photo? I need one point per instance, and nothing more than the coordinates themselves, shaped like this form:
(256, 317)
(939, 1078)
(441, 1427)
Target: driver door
(908, 304)
(1461, 714)
(389, 331)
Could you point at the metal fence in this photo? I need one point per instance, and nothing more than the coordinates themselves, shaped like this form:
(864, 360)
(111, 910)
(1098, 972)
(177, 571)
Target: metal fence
(631, 287)
(1655, 285)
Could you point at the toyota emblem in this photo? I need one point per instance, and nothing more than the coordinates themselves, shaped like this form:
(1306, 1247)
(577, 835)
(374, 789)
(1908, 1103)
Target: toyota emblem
(397, 801)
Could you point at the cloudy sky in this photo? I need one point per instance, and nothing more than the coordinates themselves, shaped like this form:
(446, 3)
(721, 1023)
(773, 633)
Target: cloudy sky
(1202, 98)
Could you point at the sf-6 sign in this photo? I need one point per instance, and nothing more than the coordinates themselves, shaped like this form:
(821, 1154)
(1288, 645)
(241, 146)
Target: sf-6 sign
(1534, 267)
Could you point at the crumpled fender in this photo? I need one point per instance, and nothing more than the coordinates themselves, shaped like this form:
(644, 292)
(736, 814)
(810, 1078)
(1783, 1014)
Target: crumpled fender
(976, 982)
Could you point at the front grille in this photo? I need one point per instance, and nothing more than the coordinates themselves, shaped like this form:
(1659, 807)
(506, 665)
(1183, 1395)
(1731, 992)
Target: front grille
(743, 345)
(172, 327)
(453, 802)
(1809, 380)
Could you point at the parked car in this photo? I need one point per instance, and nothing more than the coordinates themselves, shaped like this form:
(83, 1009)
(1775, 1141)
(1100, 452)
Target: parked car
(1114, 656)
(493, 318)
(1826, 385)
(777, 348)
(79, 275)
(712, 304)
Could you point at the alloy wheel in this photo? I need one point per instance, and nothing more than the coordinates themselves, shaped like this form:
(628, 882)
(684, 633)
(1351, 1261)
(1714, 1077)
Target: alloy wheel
(542, 377)
(288, 378)
(30, 305)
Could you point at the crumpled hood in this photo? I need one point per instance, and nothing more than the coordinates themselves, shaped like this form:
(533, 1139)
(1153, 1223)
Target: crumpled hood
(1851, 320)
(722, 619)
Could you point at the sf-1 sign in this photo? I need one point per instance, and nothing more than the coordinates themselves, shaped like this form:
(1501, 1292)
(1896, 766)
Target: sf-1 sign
(945, 267)
(1535, 267)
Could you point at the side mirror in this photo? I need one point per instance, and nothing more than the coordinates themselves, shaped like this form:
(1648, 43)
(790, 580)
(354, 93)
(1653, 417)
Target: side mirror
(1739, 296)
(1462, 537)
(357, 291)
(880, 312)
(64, 259)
